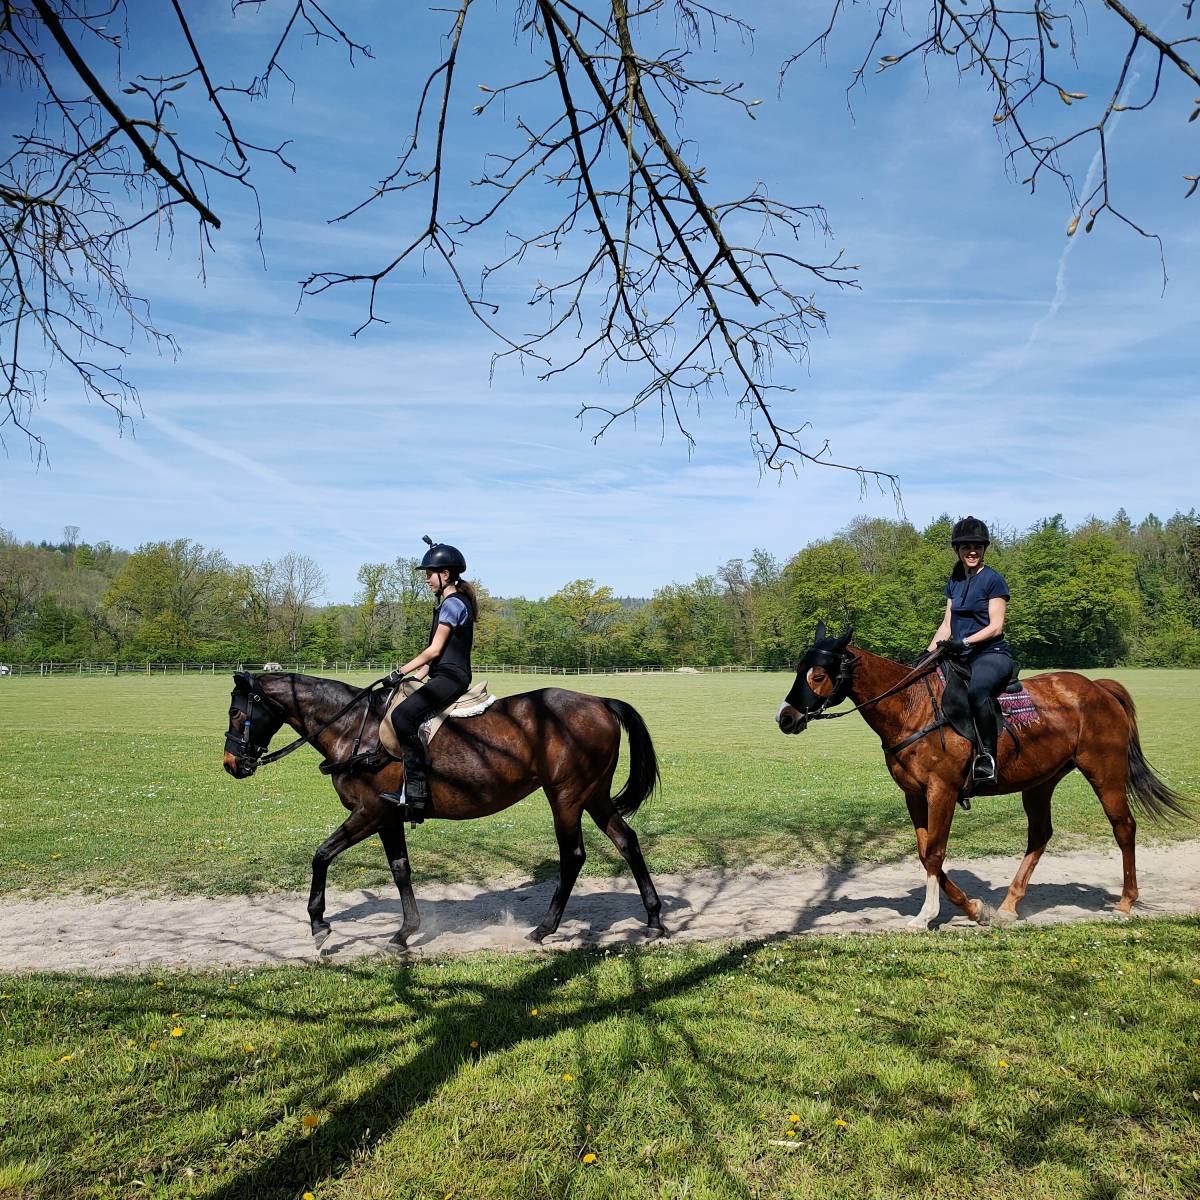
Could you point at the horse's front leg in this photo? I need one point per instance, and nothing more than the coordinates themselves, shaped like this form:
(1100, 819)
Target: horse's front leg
(350, 832)
(937, 808)
(395, 846)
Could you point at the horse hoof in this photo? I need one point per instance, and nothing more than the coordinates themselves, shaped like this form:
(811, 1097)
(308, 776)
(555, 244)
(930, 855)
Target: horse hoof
(397, 948)
(1004, 917)
(321, 936)
(658, 931)
(536, 935)
(917, 925)
(980, 913)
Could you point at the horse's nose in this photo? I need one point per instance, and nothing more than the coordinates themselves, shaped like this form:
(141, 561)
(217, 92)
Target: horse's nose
(234, 766)
(789, 720)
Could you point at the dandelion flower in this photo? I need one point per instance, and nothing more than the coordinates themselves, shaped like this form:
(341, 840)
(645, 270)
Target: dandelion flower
(153, 1045)
(794, 1118)
(791, 1133)
(55, 856)
(66, 1058)
(248, 1047)
(840, 1123)
(1002, 1064)
(474, 1045)
(589, 1158)
(177, 1031)
(533, 1012)
(568, 1078)
(1196, 982)
(159, 983)
(308, 1196)
(309, 1121)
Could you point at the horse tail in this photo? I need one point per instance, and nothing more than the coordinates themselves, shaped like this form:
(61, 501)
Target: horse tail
(1146, 792)
(643, 762)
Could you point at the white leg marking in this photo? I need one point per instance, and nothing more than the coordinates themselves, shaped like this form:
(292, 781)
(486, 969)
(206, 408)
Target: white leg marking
(932, 905)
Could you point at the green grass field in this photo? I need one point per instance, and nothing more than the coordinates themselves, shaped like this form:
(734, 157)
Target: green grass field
(116, 785)
(1058, 1063)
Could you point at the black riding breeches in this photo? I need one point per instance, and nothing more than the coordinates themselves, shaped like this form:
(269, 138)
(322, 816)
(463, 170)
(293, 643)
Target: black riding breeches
(989, 674)
(437, 693)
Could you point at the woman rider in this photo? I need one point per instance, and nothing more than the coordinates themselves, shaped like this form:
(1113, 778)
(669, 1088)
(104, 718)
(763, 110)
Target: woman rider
(445, 665)
(973, 629)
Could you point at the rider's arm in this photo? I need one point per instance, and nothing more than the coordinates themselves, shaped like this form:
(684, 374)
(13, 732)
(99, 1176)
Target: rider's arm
(943, 630)
(419, 666)
(997, 607)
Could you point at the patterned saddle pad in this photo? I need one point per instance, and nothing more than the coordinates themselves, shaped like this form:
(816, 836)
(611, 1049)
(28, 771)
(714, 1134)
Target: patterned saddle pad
(1018, 707)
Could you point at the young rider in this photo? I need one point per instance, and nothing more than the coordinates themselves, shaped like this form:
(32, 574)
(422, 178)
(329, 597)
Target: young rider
(973, 629)
(445, 665)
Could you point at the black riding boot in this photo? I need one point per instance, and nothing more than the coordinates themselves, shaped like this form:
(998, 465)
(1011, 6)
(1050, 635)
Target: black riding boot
(984, 769)
(412, 800)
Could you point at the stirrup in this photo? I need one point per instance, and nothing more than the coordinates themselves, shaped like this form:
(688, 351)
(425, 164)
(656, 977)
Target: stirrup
(983, 768)
(408, 810)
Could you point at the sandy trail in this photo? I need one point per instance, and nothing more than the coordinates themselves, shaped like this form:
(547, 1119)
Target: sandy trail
(132, 933)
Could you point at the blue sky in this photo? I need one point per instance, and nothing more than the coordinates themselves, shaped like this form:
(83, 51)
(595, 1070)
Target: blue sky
(992, 364)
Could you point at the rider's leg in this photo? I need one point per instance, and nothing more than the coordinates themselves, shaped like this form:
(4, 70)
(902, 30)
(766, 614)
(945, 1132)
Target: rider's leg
(989, 673)
(406, 721)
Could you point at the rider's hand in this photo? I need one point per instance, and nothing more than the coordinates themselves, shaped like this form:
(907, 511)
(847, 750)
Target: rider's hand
(393, 678)
(953, 647)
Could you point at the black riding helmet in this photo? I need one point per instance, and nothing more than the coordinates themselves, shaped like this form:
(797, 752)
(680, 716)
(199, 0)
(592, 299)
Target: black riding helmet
(970, 529)
(440, 557)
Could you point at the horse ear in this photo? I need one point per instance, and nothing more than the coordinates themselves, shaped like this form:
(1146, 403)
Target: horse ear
(844, 640)
(820, 634)
(242, 680)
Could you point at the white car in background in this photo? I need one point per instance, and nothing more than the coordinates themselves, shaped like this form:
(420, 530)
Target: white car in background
(5, 669)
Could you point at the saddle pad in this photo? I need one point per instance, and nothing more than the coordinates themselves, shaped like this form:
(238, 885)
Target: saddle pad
(471, 703)
(1018, 708)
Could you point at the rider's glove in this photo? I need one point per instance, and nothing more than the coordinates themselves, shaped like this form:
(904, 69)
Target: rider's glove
(393, 678)
(954, 647)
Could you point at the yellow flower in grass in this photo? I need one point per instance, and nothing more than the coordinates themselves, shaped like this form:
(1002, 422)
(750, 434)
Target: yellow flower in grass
(308, 1196)
(568, 1077)
(177, 1031)
(589, 1158)
(1196, 982)
(1002, 1065)
(791, 1133)
(153, 1046)
(474, 1045)
(66, 1057)
(533, 1012)
(309, 1121)
(794, 1118)
(248, 1047)
(841, 1124)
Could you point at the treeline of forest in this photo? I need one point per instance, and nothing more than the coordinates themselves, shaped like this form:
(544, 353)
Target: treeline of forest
(1102, 593)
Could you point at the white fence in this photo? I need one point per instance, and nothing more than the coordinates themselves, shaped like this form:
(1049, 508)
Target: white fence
(342, 666)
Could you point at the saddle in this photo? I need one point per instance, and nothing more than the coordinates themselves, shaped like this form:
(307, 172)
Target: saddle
(1019, 710)
(471, 703)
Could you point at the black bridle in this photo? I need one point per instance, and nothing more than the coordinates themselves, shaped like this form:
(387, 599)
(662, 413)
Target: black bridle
(843, 663)
(246, 750)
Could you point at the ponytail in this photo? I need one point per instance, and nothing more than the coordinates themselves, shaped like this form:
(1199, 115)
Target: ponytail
(467, 592)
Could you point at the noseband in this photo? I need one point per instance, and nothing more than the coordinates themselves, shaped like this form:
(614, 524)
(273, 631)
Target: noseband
(244, 748)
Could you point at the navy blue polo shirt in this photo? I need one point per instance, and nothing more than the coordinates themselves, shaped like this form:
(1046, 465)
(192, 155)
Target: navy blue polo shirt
(969, 606)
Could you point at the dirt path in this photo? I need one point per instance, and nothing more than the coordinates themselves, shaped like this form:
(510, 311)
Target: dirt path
(130, 933)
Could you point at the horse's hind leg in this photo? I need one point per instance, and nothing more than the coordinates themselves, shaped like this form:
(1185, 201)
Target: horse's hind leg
(569, 832)
(606, 816)
(1037, 810)
(349, 833)
(395, 846)
(1109, 786)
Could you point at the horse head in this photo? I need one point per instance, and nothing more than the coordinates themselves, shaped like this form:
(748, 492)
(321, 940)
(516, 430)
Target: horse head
(822, 680)
(254, 719)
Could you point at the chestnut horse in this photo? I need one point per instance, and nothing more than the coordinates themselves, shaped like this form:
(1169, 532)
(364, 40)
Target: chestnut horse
(1084, 723)
(564, 742)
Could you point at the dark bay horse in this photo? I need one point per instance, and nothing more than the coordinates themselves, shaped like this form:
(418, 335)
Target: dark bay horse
(1086, 724)
(564, 742)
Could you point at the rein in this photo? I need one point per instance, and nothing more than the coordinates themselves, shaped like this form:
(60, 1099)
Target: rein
(275, 755)
(918, 672)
